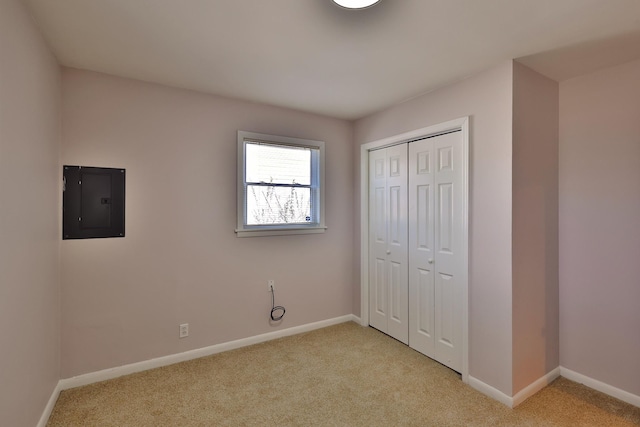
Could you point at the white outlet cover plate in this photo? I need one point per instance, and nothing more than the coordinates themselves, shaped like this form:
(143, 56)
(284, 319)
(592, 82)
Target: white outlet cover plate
(184, 330)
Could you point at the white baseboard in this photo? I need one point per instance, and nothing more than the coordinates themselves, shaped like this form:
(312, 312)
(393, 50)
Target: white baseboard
(519, 397)
(44, 418)
(625, 396)
(535, 387)
(119, 371)
(542, 382)
(490, 391)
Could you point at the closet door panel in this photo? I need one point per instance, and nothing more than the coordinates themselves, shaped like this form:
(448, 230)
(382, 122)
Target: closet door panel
(421, 247)
(378, 274)
(388, 284)
(448, 180)
(397, 245)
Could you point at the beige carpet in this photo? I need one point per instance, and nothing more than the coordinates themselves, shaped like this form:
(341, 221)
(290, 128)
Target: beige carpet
(344, 375)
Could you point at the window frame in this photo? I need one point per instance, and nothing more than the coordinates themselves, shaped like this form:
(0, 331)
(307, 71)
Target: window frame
(317, 181)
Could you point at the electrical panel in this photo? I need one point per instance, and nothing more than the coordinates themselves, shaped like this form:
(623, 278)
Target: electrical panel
(93, 202)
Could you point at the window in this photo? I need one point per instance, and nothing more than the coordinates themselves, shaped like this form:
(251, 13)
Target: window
(280, 185)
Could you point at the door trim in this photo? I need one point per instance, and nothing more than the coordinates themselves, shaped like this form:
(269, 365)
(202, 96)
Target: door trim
(461, 124)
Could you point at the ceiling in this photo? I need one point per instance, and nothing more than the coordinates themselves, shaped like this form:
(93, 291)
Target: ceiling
(314, 56)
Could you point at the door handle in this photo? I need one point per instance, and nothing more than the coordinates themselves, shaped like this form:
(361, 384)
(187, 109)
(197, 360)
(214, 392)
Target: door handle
(388, 251)
(430, 260)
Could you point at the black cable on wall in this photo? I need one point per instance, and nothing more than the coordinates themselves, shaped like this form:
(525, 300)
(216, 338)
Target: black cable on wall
(275, 308)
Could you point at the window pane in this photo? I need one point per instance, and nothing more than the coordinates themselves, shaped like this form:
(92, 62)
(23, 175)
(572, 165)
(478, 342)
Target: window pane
(278, 164)
(278, 205)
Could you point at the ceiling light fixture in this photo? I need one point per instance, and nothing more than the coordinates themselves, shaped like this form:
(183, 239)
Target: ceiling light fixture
(355, 4)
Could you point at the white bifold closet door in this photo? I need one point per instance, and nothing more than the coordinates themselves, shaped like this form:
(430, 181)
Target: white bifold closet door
(415, 236)
(435, 244)
(388, 244)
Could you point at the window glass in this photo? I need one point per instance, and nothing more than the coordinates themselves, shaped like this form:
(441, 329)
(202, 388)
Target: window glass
(278, 205)
(280, 187)
(275, 164)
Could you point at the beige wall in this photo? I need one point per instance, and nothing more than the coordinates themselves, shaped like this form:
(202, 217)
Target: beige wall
(600, 226)
(487, 99)
(535, 226)
(123, 298)
(29, 219)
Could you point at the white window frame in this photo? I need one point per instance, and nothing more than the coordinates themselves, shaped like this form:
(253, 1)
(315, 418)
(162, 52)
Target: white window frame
(317, 202)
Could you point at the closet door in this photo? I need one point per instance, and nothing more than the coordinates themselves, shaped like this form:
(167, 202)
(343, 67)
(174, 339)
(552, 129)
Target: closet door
(421, 247)
(435, 263)
(388, 240)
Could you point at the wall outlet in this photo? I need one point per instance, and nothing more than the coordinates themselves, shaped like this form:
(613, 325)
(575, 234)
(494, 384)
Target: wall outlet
(271, 285)
(184, 330)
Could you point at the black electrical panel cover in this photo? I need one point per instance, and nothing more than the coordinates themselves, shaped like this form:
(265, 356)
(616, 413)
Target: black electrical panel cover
(93, 202)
